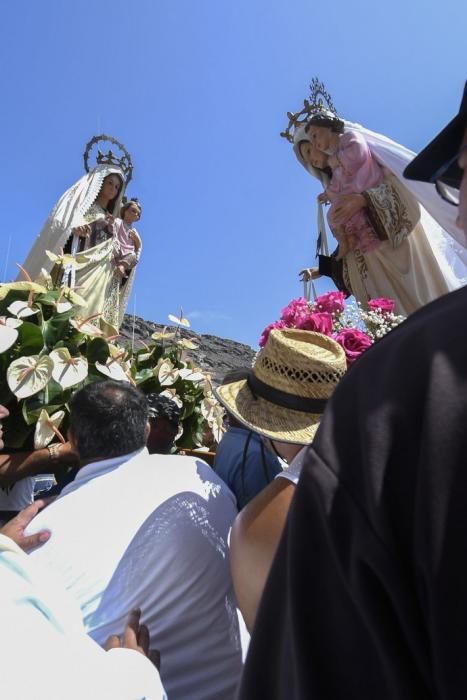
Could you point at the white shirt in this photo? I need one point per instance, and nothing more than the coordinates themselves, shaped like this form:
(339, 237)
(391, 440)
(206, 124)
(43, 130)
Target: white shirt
(151, 532)
(292, 472)
(45, 652)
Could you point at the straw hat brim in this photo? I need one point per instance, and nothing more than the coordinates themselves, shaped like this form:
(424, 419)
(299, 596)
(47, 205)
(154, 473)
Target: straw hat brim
(266, 418)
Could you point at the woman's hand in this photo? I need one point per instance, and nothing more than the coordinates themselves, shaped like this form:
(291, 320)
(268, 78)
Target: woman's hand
(349, 204)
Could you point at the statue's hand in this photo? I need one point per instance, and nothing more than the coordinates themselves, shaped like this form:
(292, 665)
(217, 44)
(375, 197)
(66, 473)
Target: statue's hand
(348, 205)
(82, 231)
(309, 273)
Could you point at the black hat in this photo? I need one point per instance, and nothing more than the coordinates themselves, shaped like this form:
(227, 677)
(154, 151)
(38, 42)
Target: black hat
(440, 151)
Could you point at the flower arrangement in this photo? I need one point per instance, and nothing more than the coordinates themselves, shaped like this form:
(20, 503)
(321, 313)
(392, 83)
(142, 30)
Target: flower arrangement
(48, 351)
(352, 327)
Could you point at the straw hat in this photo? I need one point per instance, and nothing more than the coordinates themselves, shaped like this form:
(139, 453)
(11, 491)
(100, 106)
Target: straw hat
(284, 395)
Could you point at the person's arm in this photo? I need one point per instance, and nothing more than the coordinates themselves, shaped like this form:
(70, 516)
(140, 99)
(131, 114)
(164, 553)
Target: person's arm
(254, 539)
(19, 465)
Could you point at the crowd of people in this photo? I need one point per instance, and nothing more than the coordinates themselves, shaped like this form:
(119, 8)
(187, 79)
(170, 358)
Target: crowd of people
(331, 526)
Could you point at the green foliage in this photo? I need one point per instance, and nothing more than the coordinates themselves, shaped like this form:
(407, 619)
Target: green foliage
(46, 320)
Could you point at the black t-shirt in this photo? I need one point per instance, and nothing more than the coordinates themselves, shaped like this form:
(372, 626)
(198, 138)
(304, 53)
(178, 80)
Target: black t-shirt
(367, 597)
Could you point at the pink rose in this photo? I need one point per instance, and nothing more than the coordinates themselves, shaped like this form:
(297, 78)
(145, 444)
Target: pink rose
(383, 305)
(319, 322)
(294, 309)
(354, 342)
(332, 302)
(268, 329)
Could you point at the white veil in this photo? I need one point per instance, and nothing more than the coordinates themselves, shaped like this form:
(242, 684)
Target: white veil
(437, 216)
(67, 214)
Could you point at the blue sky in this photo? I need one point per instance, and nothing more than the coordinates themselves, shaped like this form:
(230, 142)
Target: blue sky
(198, 91)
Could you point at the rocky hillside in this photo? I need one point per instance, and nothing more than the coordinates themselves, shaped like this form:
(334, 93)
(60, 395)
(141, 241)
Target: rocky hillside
(215, 355)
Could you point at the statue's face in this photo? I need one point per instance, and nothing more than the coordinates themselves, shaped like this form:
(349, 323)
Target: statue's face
(312, 156)
(110, 186)
(131, 214)
(321, 137)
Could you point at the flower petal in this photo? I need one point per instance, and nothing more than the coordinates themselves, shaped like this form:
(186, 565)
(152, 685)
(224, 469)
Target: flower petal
(168, 374)
(21, 309)
(44, 433)
(68, 370)
(8, 337)
(28, 375)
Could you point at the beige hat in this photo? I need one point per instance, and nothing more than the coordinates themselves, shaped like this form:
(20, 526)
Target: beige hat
(284, 395)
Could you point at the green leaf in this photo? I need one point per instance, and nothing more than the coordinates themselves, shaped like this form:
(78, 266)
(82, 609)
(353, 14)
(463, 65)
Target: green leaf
(143, 376)
(57, 327)
(16, 434)
(98, 350)
(30, 338)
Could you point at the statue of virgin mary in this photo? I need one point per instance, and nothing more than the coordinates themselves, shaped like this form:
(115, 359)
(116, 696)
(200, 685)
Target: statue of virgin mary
(83, 222)
(421, 256)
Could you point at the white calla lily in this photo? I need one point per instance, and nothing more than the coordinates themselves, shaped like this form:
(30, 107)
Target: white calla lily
(28, 375)
(63, 305)
(8, 337)
(217, 428)
(168, 373)
(209, 408)
(11, 322)
(179, 320)
(172, 394)
(187, 344)
(191, 375)
(47, 428)
(85, 326)
(162, 335)
(114, 370)
(68, 371)
(21, 309)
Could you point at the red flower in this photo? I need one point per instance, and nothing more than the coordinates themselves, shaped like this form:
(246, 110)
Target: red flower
(294, 310)
(385, 306)
(268, 329)
(332, 302)
(319, 322)
(354, 342)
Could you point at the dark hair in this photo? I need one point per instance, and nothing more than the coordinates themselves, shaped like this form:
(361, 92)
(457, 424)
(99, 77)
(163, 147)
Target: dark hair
(326, 120)
(125, 206)
(163, 407)
(108, 419)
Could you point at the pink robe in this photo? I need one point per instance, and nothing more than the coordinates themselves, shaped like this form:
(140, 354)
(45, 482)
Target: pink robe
(358, 172)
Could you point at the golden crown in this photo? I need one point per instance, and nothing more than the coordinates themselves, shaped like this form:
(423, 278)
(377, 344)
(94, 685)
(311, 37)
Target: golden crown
(319, 101)
(121, 159)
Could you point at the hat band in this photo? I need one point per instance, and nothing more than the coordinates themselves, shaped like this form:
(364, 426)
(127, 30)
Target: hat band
(284, 399)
